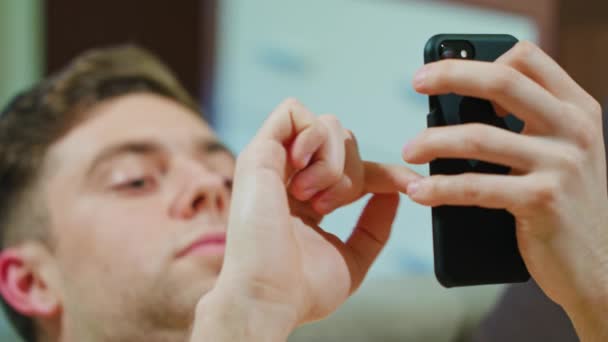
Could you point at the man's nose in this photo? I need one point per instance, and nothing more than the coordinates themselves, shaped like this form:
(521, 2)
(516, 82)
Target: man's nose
(204, 191)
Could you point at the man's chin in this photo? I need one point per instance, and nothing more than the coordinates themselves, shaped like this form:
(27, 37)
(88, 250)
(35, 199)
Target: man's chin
(186, 293)
(194, 274)
(208, 258)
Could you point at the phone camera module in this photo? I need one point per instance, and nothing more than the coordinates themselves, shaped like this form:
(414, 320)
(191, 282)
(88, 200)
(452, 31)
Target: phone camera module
(456, 49)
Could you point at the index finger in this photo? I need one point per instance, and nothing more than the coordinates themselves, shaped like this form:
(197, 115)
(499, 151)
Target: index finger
(385, 178)
(370, 235)
(288, 120)
(533, 62)
(511, 90)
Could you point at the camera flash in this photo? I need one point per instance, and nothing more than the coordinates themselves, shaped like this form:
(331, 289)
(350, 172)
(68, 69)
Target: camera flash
(464, 54)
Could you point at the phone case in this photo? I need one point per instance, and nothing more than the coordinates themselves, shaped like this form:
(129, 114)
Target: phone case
(472, 245)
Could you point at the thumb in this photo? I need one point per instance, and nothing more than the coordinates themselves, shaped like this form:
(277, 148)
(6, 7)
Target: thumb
(370, 235)
(258, 225)
(260, 205)
(259, 212)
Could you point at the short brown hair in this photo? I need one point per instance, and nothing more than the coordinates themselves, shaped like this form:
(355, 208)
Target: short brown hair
(38, 117)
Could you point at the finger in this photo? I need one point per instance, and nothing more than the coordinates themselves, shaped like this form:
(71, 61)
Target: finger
(349, 188)
(370, 235)
(288, 119)
(280, 128)
(259, 189)
(307, 143)
(379, 179)
(334, 197)
(385, 178)
(327, 166)
(469, 189)
(477, 141)
(258, 195)
(533, 62)
(509, 89)
(501, 112)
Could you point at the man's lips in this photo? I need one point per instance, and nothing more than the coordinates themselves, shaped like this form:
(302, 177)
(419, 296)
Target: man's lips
(208, 244)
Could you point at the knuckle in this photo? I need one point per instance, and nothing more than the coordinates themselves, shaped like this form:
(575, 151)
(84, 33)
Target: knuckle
(437, 185)
(596, 108)
(288, 106)
(428, 141)
(584, 134)
(505, 79)
(321, 129)
(330, 118)
(291, 102)
(334, 172)
(544, 193)
(524, 50)
(266, 154)
(446, 70)
(430, 137)
(344, 186)
(431, 191)
(475, 139)
(582, 128)
(570, 161)
(470, 191)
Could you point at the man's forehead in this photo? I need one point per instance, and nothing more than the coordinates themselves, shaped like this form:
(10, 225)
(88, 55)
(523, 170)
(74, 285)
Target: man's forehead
(131, 119)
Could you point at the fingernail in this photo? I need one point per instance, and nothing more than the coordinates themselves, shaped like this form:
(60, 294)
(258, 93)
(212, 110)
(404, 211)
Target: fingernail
(413, 188)
(406, 148)
(308, 193)
(420, 76)
(307, 159)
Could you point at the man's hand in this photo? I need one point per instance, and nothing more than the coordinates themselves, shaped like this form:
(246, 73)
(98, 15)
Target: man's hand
(557, 190)
(281, 269)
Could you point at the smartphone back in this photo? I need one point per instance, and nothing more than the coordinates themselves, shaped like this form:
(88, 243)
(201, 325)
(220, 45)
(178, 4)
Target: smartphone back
(472, 245)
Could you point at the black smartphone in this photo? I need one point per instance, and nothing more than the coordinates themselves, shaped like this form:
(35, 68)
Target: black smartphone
(472, 245)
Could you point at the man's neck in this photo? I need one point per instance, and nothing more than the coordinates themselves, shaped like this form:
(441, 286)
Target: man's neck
(131, 337)
(117, 333)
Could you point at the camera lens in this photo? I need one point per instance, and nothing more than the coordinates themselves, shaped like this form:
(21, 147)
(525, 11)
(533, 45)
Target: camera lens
(459, 49)
(448, 53)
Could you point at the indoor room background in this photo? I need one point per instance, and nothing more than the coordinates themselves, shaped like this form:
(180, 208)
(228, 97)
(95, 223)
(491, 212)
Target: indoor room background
(351, 58)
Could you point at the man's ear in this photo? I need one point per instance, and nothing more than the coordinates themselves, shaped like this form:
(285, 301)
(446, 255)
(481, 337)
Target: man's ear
(25, 273)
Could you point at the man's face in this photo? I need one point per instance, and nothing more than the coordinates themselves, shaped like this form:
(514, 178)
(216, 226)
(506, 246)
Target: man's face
(138, 198)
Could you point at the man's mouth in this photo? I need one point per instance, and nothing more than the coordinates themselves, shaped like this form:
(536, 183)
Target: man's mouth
(208, 245)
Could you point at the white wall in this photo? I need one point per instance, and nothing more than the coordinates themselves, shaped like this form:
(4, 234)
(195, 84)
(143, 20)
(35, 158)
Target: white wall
(354, 58)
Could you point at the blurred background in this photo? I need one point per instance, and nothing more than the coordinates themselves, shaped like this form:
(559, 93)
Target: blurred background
(352, 58)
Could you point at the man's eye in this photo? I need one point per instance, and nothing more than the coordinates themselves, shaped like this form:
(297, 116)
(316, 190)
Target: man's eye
(137, 185)
(228, 183)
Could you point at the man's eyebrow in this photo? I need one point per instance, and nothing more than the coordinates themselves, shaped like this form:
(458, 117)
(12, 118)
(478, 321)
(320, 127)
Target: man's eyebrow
(212, 146)
(206, 146)
(130, 147)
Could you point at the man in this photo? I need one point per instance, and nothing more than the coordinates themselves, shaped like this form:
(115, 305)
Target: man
(116, 200)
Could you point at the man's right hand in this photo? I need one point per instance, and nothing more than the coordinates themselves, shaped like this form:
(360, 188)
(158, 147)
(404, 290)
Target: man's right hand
(557, 190)
(281, 269)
